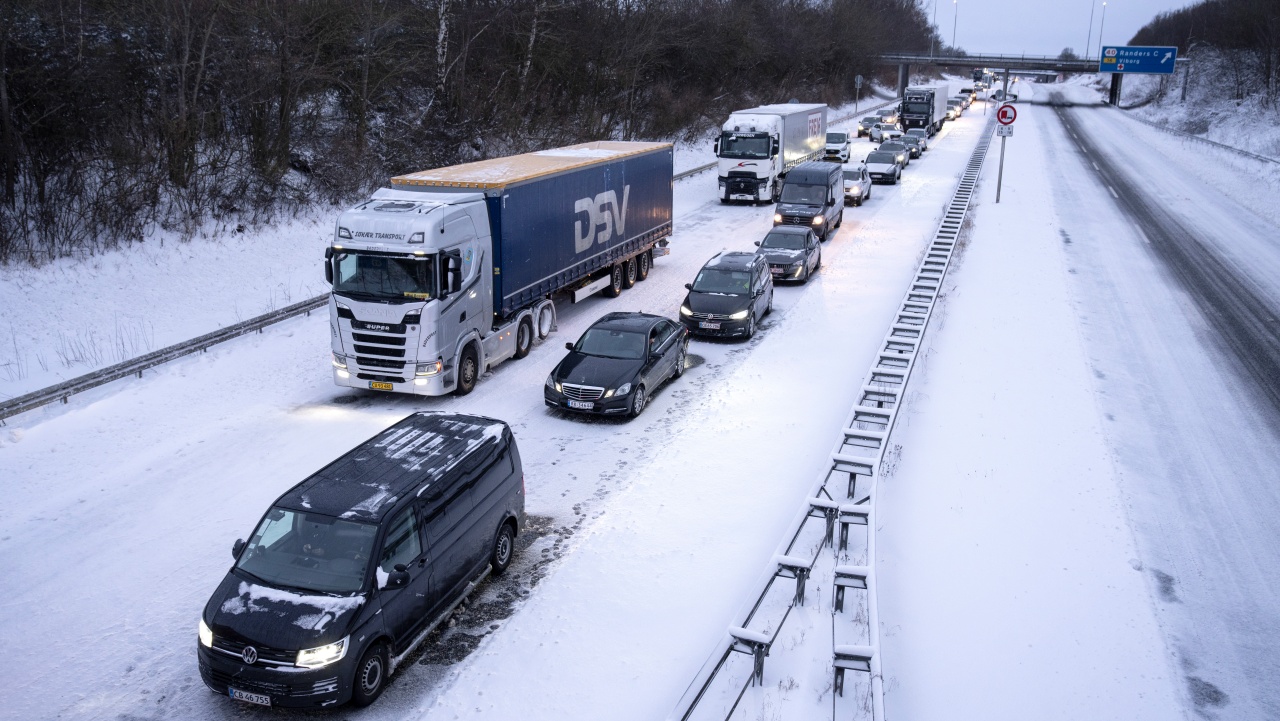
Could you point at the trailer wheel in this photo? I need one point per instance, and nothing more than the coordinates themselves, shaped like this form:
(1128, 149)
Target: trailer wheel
(614, 289)
(629, 273)
(468, 370)
(644, 261)
(546, 317)
(524, 336)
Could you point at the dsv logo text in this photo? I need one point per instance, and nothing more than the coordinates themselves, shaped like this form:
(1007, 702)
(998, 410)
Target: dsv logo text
(600, 210)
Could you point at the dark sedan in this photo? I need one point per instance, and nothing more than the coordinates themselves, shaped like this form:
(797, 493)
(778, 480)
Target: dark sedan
(899, 149)
(793, 253)
(913, 144)
(732, 292)
(617, 364)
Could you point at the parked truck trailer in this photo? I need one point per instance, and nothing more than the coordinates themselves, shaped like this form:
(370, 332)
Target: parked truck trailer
(925, 106)
(757, 147)
(451, 271)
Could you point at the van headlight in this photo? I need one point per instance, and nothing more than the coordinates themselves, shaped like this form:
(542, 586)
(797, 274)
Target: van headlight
(739, 315)
(818, 219)
(777, 217)
(206, 635)
(322, 656)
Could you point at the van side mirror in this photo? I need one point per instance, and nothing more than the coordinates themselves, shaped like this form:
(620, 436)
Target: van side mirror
(237, 548)
(399, 577)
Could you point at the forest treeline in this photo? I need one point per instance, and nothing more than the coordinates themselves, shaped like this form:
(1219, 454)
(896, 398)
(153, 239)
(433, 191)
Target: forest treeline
(119, 117)
(1238, 40)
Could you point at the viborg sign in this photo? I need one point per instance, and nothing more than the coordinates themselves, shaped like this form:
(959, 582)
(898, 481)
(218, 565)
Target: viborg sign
(1152, 59)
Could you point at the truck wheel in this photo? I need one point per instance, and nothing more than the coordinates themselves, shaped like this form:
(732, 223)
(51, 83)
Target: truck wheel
(546, 318)
(371, 676)
(504, 548)
(629, 274)
(524, 337)
(614, 289)
(643, 262)
(468, 370)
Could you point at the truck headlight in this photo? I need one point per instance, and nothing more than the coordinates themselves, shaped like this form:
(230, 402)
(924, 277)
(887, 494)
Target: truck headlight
(344, 233)
(684, 310)
(430, 369)
(819, 219)
(777, 217)
(339, 362)
(739, 315)
(206, 635)
(322, 656)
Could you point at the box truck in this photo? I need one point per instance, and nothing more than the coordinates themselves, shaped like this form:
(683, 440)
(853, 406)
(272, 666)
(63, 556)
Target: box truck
(758, 146)
(451, 271)
(925, 106)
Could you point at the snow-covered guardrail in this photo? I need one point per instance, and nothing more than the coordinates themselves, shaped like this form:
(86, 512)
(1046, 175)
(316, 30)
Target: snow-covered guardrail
(845, 495)
(135, 366)
(1206, 141)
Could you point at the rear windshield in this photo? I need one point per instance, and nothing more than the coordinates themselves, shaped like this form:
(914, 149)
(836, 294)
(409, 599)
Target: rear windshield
(612, 343)
(309, 552)
(886, 158)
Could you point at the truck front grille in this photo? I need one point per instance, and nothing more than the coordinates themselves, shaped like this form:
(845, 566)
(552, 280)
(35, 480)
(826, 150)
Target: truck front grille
(381, 379)
(582, 393)
(379, 362)
(376, 350)
(383, 339)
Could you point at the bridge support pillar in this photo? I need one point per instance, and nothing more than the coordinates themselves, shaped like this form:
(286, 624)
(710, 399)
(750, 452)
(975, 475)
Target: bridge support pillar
(904, 78)
(1116, 80)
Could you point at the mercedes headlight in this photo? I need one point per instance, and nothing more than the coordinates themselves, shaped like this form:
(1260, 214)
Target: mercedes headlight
(739, 315)
(622, 390)
(206, 635)
(819, 219)
(322, 656)
(777, 217)
(685, 310)
(551, 383)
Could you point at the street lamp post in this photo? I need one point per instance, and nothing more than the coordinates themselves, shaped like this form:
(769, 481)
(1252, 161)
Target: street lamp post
(1088, 42)
(956, 22)
(933, 35)
(1102, 25)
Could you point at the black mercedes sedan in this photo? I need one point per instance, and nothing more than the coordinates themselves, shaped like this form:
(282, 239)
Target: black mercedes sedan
(617, 365)
(732, 292)
(792, 251)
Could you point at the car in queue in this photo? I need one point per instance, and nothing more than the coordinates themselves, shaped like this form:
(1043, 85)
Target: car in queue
(809, 198)
(899, 151)
(953, 109)
(838, 147)
(913, 145)
(889, 115)
(923, 135)
(793, 253)
(350, 570)
(881, 132)
(618, 364)
(857, 184)
(864, 125)
(967, 95)
(883, 167)
(729, 296)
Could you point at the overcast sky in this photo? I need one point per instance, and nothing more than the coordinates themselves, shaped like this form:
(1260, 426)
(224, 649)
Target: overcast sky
(1041, 27)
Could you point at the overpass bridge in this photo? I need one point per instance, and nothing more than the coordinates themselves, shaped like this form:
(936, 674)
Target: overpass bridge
(1004, 63)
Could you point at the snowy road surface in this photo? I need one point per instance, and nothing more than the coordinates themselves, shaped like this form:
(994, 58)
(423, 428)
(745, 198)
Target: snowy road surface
(121, 507)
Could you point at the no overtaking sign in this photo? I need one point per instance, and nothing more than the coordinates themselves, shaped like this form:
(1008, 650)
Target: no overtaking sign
(1006, 114)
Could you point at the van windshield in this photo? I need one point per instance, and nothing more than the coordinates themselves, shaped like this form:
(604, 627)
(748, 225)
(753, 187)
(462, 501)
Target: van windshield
(309, 552)
(804, 194)
(384, 277)
(739, 146)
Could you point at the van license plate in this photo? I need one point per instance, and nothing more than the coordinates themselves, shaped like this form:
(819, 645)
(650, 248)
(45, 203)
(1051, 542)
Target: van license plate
(258, 698)
(582, 405)
(380, 386)
(709, 326)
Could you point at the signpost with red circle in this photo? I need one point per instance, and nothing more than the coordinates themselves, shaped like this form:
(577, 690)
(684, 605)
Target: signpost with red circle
(1006, 114)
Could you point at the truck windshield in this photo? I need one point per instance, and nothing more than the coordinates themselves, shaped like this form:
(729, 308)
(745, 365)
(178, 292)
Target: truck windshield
(739, 146)
(309, 552)
(723, 281)
(385, 277)
(804, 194)
(921, 108)
(611, 343)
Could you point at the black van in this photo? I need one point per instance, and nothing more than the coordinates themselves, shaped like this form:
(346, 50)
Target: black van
(812, 196)
(350, 569)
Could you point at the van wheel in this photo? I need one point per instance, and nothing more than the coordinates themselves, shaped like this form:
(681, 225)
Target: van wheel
(614, 289)
(629, 273)
(504, 548)
(840, 219)
(524, 337)
(468, 370)
(371, 676)
(644, 261)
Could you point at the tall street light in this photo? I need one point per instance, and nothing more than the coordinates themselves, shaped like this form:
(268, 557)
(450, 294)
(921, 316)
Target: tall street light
(1088, 42)
(1102, 25)
(956, 3)
(933, 35)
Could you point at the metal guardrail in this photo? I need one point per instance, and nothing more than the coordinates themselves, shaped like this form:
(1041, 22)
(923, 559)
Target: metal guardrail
(1206, 141)
(135, 366)
(854, 469)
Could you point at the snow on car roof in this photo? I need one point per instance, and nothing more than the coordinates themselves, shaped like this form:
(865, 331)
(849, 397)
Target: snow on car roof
(499, 172)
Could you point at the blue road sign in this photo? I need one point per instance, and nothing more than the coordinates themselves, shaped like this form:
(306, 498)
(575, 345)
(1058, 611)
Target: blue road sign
(1154, 59)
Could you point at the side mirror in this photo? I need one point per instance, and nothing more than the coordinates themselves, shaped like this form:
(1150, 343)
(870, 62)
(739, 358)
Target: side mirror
(568, 346)
(328, 265)
(237, 548)
(688, 286)
(773, 147)
(399, 577)
(757, 243)
(715, 147)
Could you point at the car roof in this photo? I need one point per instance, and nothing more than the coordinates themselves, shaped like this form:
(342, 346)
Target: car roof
(814, 171)
(619, 320)
(732, 260)
(367, 482)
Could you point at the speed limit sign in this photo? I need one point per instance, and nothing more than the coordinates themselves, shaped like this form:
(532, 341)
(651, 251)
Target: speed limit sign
(1006, 114)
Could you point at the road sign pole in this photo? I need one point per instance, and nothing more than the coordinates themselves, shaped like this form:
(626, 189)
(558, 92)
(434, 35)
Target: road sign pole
(1000, 175)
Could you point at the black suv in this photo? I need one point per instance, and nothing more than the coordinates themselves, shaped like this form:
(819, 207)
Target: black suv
(349, 570)
(812, 196)
(732, 292)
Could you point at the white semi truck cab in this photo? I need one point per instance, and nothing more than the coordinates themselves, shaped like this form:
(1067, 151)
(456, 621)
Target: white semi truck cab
(759, 145)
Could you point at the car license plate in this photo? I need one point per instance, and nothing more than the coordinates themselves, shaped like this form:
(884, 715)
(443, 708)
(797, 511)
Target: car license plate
(776, 271)
(709, 326)
(380, 386)
(258, 698)
(582, 405)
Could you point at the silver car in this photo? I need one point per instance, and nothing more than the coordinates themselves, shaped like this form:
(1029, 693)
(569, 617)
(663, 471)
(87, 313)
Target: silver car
(883, 167)
(857, 184)
(923, 135)
(881, 132)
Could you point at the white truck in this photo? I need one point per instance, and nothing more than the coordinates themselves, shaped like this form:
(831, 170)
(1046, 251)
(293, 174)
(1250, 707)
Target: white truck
(451, 271)
(757, 147)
